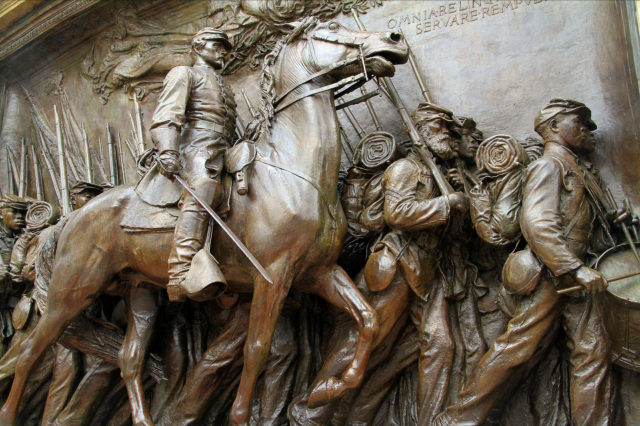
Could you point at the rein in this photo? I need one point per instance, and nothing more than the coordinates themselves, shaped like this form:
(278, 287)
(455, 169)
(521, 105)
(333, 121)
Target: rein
(360, 77)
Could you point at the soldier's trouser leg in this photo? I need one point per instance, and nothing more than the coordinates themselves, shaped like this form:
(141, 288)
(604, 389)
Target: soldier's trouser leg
(590, 386)
(65, 373)
(536, 315)
(404, 353)
(208, 373)
(437, 348)
(279, 372)
(192, 225)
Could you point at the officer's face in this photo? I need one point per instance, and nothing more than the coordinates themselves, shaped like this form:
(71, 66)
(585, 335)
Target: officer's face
(213, 52)
(572, 129)
(12, 219)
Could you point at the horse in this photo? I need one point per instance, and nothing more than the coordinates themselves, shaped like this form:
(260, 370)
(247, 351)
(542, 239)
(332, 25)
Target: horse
(291, 220)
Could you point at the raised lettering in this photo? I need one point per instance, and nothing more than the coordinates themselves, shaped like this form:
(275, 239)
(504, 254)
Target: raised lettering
(418, 29)
(443, 10)
(476, 3)
(454, 20)
(463, 17)
(451, 7)
(392, 23)
(473, 15)
(485, 12)
(506, 5)
(495, 9)
(463, 5)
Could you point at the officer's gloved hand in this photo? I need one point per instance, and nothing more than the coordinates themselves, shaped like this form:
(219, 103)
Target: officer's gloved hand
(169, 162)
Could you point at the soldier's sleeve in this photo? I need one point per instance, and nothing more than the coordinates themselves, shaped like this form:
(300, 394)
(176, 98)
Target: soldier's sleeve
(540, 217)
(402, 210)
(169, 116)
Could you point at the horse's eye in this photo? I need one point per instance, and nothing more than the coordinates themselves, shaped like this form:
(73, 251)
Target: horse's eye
(334, 26)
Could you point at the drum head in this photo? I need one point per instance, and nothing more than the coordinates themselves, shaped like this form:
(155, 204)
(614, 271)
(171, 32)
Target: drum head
(622, 315)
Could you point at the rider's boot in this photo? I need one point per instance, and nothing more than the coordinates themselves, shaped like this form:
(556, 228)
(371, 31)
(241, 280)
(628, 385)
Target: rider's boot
(188, 239)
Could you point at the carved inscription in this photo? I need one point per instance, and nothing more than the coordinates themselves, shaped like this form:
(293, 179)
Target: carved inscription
(456, 13)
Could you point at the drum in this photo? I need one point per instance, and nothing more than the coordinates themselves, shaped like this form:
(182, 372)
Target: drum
(622, 311)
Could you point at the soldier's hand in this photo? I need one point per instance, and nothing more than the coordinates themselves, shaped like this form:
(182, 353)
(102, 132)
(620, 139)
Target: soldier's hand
(622, 215)
(456, 176)
(459, 202)
(169, 162)
(590, 279)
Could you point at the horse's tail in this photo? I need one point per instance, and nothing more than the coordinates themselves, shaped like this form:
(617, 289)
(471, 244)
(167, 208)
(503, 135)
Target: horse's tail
(44, 263)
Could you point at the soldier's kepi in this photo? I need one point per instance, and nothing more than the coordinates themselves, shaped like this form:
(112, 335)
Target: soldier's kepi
(192, 127)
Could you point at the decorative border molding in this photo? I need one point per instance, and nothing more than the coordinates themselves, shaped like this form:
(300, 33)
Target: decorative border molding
(40, 25)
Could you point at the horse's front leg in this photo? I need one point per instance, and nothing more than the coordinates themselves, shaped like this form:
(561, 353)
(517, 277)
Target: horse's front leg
(142, 311)
(266, 306)
(334, 285)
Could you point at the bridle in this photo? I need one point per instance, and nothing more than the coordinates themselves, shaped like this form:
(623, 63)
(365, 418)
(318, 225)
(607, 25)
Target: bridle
(355, 80)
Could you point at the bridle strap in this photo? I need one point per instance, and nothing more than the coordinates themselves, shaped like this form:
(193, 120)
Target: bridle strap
(343, 82)
(353, 79)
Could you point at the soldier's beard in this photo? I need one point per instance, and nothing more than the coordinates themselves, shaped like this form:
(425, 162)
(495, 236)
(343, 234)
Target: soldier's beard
(440, 144)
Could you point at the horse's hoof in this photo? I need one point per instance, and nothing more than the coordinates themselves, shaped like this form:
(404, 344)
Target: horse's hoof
(326, 391)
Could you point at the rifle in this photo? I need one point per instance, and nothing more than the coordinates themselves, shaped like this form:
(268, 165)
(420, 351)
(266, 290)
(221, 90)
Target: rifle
(62, 161)
(422, 151)
(37, 174)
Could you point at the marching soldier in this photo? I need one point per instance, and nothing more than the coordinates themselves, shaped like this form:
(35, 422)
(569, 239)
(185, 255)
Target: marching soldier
(558, 213)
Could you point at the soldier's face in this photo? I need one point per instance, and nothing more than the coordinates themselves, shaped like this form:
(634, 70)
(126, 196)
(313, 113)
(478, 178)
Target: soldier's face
(467, 145)
(573, 130)
(213, 52)
(12, 219)
(437, 135)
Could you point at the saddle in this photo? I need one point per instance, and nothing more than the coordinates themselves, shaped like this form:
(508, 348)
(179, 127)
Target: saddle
(161, 195)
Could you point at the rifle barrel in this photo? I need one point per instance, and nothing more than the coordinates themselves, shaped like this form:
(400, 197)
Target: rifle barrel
(87, 156)
(136, 105)
(22, 189)
(62, 161)
(113, 166)
(441, 181)
(37, 174)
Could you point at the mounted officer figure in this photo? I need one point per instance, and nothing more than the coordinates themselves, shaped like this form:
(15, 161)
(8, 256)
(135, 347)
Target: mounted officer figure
(192, 127)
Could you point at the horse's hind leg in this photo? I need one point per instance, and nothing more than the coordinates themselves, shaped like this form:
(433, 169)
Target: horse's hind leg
(335, 286)
(142, 311)
(266, 306)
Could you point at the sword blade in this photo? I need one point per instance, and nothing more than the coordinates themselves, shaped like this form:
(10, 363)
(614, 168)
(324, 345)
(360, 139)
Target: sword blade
(226, 230)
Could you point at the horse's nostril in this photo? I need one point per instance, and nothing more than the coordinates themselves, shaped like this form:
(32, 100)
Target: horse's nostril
(395, 37)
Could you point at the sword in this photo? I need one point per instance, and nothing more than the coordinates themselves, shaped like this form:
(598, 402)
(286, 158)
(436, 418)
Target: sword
(226, 229)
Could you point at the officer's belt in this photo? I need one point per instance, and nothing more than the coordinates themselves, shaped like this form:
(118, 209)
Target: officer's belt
(208, 125)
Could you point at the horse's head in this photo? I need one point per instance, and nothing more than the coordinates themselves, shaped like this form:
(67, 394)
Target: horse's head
(331, 43)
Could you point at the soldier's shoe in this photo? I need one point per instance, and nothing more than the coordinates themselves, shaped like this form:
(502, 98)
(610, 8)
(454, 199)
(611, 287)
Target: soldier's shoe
(176, 292)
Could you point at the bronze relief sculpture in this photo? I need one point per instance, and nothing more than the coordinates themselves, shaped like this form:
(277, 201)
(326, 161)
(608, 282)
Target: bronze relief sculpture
(446, 274)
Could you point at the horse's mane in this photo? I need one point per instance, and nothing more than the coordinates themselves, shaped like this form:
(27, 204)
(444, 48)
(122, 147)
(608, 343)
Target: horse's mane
(267, 77)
